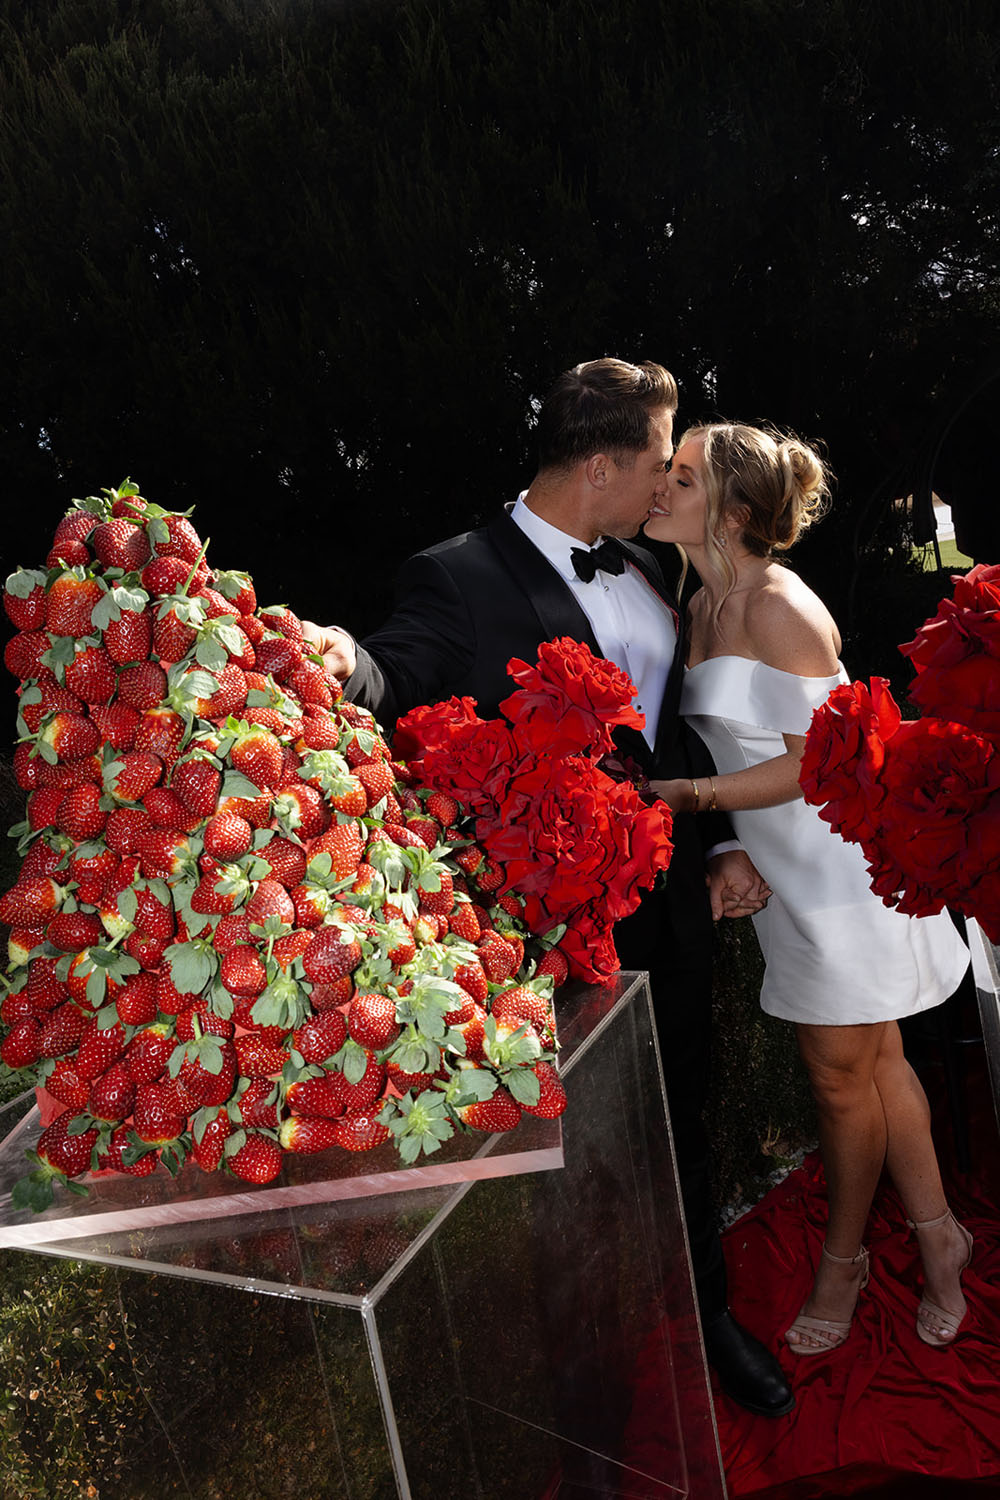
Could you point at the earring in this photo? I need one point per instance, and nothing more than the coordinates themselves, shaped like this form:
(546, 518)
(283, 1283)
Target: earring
(720, 537)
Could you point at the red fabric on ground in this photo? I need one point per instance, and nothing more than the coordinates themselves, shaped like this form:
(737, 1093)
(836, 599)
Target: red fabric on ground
(884, 1415)
(884, 1403)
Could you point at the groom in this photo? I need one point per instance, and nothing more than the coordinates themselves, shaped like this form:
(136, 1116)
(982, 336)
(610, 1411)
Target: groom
(557, 564)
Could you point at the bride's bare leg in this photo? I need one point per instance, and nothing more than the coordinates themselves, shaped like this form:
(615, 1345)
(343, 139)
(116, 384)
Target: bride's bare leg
(913, 1167)
(841, 1061)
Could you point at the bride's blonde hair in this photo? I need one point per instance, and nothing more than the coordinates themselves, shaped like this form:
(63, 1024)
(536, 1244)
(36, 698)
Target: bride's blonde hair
(774, 485)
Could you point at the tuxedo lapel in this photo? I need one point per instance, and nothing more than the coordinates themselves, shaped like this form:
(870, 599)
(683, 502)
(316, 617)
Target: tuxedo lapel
(557, 610)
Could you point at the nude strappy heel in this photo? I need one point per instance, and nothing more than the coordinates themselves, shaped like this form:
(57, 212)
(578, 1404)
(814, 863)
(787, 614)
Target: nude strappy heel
(827, 1332)
(937, 1325)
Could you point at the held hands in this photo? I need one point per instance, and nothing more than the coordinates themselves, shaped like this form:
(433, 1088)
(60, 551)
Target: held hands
(735, 887)
(334, 645)
(677, 794)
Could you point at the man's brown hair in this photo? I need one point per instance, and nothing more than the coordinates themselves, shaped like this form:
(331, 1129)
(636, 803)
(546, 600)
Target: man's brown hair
(603, 406)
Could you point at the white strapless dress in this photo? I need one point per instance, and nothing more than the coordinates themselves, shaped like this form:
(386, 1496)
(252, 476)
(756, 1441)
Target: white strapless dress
(835, 954)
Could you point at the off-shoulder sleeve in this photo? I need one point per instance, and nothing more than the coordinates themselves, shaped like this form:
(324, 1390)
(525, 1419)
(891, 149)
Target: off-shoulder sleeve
(751, 692)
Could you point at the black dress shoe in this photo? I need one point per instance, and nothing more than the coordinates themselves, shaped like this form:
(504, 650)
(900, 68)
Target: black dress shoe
(748, 1373)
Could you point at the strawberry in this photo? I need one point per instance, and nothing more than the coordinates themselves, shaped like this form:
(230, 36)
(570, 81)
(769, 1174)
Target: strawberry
(44, 988)
(207, 1069)
(437, 902)
(131, 776)
(287, 861)
(257, 753)
(308, 1135)
(237, 588)
(70, 603)
(117, 723)
(242, 972)
(464, 923)
(326, 997)
(320, 733)
(289, 947)
(220, 890)
(306, 678)
(277, 657)
(312, 905)
(360, 1132)
(43, 808)
(69, 736)
(231, 931)
(553, 963)
(147, 952)
(270, 899)
(126, 828)
(407, 1083)
(112, 1094)
(99, 1049)
(166, 575)
(401, 947)
(258, 1160)
(24, 599)
(499, 1112)
(21, 941)
(72, 930)
(142, 686)
(20, 1047)
(160, 732)
(371, 1021)
(257, 1059)
(91, 674)
(65, 1153)
(227, 836)
(320, 1037)
(136, 1004)
(23, 653)
(148, 1053)
(497, 956)
(443, 807)
(81, 815)
(196, 782)
(473, 1033)
(513, 1006)
(344, 843)
(258, 1104)
(155, 1115)
(551, 1097)
(198, 1017)
(166, 810)
(162, 851)
(361, 1095)
(313, 1097)
(65, 1084)
(119, 543)
(332, 953)
(30, 902)
(301, 809)
(74, 526)
(209, 1133)
(62, 1031)
(129, 638)
(120, 1156)
(175, 626)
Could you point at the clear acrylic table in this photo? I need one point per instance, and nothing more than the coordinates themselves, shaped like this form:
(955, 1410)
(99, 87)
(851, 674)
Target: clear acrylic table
(474, 1328)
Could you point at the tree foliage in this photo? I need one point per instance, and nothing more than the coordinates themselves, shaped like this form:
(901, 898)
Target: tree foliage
(308, 265)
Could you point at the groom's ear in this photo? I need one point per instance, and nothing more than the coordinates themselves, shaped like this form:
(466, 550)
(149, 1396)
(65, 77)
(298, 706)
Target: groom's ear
(597, 468)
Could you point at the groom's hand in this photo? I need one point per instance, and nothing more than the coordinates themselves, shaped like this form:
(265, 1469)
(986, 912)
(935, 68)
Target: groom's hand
(735, 886)
(334, 645)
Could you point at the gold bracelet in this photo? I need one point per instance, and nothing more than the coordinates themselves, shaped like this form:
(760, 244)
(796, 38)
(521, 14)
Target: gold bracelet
(712, 806)
(696, 794)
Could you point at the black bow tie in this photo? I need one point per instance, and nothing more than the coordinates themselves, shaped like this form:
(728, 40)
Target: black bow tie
(608, 557)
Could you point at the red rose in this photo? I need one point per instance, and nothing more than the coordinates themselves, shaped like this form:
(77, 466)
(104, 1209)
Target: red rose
(844, 754)
(475, 764)
(939, 823)
(431, 726)
(571, 700)
(957, 654)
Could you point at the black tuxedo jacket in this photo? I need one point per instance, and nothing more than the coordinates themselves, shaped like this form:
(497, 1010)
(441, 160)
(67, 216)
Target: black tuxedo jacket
(468, 605)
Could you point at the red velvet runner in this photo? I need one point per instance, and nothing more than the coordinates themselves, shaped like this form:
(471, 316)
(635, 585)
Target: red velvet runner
(884, 1408)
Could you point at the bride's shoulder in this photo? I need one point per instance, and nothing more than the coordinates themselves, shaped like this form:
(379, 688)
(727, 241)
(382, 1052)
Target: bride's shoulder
(789, 627)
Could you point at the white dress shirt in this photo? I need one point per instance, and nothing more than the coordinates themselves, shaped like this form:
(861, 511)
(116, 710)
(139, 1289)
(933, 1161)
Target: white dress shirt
(634, 627)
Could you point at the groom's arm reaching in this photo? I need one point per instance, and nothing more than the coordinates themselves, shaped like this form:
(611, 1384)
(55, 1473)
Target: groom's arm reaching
(427, 643)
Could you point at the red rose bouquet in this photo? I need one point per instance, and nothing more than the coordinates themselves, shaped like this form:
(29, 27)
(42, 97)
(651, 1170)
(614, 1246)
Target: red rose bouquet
(577, 844)
(921, 797)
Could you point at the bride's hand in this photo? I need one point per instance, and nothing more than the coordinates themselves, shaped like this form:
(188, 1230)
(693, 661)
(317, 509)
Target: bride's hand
(677, 794)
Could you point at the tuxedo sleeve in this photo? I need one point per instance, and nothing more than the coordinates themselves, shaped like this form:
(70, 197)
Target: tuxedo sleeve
(428, 642)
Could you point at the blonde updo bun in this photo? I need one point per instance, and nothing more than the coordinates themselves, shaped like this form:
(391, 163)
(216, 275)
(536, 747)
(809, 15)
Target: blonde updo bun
(774, 484)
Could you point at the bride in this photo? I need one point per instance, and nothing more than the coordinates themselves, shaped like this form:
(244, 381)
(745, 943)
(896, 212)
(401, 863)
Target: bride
(839, 964)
